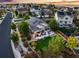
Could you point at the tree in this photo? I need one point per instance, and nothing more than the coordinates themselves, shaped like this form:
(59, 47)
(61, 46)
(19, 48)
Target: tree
(67, 30)
(71, 42)
(51, 46)
(55, 46)
(26, 17)
(1, 13)
(75, 12)
(20, 16)
(29, 13)
(53, 25)
(13, 26)
(75, 20)
(33, 43)
(15, 13)
(24, 28)
(14, 37)
(51, 6)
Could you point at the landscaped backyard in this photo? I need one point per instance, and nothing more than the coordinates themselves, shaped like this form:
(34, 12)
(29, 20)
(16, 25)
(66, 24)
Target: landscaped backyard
(52, 45)
(44, 43)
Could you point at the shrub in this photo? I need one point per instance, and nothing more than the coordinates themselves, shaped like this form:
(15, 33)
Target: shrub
(26, 17)
(13, 26)
(24, 28)
(53, 25)
(14, 37)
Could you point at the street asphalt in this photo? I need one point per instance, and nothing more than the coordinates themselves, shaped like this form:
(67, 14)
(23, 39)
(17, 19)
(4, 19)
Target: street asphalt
(5, 44)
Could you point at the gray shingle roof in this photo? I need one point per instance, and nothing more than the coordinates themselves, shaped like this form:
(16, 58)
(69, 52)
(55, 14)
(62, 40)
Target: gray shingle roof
(22, 9)
(62, 13)
(35, 22)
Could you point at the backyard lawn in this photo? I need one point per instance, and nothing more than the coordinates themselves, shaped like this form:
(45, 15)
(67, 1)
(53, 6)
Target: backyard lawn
(44, 43)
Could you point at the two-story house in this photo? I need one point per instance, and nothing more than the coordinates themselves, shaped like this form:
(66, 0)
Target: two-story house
(39, 29)
(64, 19)
(22, 11)
(35, 9)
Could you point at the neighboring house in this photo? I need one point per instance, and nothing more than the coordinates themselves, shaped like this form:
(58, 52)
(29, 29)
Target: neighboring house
(14, 7)
(20, 5)
(76, 18)
(70, 9)
(45, 12)
(64, 19)
(39, 29)
(76, 8)
(3, 5)
(35, 9)
(22, 11)
(41, 12)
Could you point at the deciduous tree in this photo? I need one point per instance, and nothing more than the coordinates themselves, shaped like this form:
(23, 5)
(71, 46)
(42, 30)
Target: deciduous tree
(71, 42)
(53, 25)
(24, 28)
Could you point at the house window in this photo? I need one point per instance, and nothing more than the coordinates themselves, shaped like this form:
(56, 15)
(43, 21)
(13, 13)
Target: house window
(38, 32)
(60, 21)
(61, 25)
(66, 18)
(65, 22)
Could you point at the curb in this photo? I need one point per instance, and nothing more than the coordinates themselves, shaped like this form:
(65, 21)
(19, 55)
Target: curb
(15, 52)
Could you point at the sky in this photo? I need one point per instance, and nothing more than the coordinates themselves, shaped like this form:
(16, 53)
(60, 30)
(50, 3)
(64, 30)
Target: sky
(45, 1)
(39, 1)
(5, 0)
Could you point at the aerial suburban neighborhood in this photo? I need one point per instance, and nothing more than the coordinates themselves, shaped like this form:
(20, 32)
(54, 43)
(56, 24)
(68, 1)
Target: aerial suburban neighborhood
(39, 31)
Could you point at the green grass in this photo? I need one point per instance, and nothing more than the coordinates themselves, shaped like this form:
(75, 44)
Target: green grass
(44, 43)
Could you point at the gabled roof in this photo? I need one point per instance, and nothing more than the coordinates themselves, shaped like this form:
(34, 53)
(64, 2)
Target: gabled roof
(22, 9)
(45, 11)
(62, 13)
(69, 13)
(76, 7)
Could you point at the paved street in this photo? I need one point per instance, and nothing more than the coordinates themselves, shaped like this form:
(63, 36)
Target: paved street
(5, 44)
